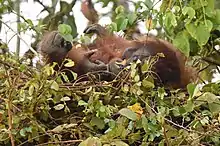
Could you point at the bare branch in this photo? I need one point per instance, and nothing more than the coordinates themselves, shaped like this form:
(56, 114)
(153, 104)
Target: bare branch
(20, 38)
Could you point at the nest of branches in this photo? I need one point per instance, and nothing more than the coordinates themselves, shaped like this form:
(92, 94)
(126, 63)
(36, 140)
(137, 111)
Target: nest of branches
(39, 107)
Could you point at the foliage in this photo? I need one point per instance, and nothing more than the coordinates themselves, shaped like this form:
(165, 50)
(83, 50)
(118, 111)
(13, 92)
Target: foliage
(44, 109)
(38, 107)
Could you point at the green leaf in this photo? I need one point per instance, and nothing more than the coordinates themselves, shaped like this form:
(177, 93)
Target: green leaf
(113, 26)
(119, 143)
(71, 22)
(145, 123)
(163, 6)
(64, 29)
(65, 98)
(137, 78)
(82, 103)
(214, 107)
(217, 17)
(119, 9)
(133, 66)
(181, 41)
(189, 107)
(148, 3)
(124, 24)
(133, 137)
(31, 90)
(210, 12)
(28, 129)
(148, 84)
(176, 8)
(22, 132)
(133, 73)
(175, 111)
(145, 67)
(70, 63)
(125, 88)
(22, 67)
(58, 129)
(170, 20)
(66, 32)
(85, 39)
(197, 4)
(211, 4)
(65, 77)
(74, 75)
(191, 28)
(64, 6)
(201, 33)
(102, 108)
(161, 92)
(211, 99)
(91, 141)
(131, 18)
(128, 113)
(54, 86)
(59, 107)
(68, 37)
(111, 124)
(30, 23)
(208, 24)
(208, 97)
(190, 11)
(95, 121)
(205, 121)
(192, 90)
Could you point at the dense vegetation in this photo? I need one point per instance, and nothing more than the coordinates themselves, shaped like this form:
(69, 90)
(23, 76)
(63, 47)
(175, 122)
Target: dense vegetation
(38, 108)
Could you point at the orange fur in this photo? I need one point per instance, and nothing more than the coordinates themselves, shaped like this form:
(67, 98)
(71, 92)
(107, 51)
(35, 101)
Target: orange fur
(171, 69)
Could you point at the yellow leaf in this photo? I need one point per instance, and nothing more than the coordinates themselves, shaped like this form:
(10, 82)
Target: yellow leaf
(149, 23)
(137, 109)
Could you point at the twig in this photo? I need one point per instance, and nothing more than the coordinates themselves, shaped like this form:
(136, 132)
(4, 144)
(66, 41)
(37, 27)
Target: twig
(25, 20)
(85, 87)
(17, 9)
(10, 127)
(204, 68)
(121, 83)
(20, 38)
(32, 139)
(217, 68)
(165, 135)
(211, 61)
(177, 125)
(45, 7)
(15, 67)
(10, 122)
(169, 4)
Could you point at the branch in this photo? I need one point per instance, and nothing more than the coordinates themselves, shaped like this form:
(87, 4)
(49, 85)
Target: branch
(20, 38)
(9, 103)
(11, 65)
(46, 8)
(165, 135)
(17, 9)
(211, 61)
